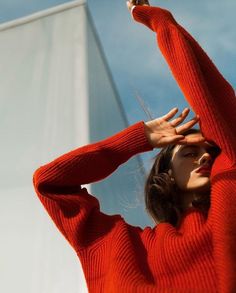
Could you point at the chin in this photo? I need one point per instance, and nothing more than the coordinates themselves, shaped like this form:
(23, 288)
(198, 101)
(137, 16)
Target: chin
(202, 187)
(199, 184)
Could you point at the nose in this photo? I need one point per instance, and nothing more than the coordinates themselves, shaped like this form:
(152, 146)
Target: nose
(205, 159)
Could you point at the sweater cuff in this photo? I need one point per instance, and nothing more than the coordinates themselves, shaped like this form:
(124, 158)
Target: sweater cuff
(129, 142)
(132, 9)
(152, 17)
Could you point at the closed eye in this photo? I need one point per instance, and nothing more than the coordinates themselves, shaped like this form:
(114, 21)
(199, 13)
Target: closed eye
(191, 154)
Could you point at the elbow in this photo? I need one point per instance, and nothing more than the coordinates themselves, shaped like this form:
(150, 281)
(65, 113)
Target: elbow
(47, 186)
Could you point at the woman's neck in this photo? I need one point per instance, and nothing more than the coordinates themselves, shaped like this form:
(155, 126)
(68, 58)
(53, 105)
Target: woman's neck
(194, 199)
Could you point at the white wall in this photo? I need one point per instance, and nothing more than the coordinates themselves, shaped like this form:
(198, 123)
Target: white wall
(43, 104)
(56, 94)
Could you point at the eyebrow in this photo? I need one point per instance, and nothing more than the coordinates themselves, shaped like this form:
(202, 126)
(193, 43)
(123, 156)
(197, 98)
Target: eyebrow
(208, 148)
(183, 147)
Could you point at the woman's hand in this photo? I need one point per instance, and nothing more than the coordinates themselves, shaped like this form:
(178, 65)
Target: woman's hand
(161, 131)
(132, 3)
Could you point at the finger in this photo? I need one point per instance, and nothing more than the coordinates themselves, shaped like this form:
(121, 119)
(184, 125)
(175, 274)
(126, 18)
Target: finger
(170, 114)
(192, 140)
(139, 2)
(181, 117)
(142, 2)
(187, 125)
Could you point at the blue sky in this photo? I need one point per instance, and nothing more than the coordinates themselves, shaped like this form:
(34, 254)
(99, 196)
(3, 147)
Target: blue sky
(137, 64)
(130, 48)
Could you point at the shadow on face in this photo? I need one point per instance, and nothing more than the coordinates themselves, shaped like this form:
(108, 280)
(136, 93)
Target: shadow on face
(191, 165)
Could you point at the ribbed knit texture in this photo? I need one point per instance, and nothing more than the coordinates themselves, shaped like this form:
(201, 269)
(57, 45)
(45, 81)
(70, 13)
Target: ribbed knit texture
(199, 256)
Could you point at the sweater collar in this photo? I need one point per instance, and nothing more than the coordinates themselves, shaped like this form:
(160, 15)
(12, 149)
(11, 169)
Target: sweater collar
(192, 221)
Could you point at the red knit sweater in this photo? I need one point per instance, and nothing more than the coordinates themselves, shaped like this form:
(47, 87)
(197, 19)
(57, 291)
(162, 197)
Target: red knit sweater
(116, 257)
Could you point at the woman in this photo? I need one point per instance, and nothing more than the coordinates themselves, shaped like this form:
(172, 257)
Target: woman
(192, 249)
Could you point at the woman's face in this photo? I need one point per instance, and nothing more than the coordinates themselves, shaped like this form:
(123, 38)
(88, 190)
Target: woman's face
(191, 166)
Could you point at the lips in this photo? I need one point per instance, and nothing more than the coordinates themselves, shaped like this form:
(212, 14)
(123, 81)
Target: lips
(204, 169)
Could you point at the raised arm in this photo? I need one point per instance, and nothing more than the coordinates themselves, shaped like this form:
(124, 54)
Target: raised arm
(208, 93)
(92, 162)
(59, 183)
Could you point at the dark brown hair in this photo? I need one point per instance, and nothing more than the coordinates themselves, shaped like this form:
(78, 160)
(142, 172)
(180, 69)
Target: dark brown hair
(162, 197)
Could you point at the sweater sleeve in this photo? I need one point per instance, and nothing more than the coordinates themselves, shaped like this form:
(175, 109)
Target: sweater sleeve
(58, 185)
(206, 90)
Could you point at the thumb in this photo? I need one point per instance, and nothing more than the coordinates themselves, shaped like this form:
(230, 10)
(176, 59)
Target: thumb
(129, 5)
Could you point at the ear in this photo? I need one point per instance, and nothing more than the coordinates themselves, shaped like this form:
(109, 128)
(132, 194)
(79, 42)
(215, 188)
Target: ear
(170, 172)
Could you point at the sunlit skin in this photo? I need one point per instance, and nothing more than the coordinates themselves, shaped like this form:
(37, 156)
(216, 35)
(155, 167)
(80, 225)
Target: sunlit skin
(191, 168)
